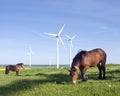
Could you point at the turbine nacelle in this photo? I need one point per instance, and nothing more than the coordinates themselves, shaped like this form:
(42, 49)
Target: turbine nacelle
(30, 52)
(57, 36)
(70, 39)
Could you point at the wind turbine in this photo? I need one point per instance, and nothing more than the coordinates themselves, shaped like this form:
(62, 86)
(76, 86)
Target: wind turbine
(50, 61)
(30, 53)
(70, 39)
(58, 37)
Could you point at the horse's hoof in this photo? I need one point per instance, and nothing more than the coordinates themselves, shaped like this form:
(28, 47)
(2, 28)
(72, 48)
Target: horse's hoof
(100, 78)
(84, 80)
(104, 78)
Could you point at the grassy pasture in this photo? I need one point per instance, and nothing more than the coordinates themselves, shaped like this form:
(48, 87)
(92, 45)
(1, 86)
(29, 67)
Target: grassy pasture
(49, 81)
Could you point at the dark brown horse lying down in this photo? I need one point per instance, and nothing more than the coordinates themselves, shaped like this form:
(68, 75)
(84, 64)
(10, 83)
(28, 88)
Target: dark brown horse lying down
(16, 68)
(85, 59)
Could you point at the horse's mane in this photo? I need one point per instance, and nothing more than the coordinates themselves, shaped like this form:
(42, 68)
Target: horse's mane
(20, 64)
(78, 56)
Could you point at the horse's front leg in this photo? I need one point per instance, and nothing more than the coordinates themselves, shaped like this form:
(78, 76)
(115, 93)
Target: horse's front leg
(83, 74)
(17, 73)
(101, 68)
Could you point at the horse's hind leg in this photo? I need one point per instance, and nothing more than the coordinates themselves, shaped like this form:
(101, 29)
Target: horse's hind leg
(100, 71)
(104, 72)
(17, 73)
(104, 68)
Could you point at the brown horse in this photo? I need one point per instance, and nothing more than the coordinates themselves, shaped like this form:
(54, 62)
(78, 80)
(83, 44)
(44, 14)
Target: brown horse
(85, 59)
(16, 68)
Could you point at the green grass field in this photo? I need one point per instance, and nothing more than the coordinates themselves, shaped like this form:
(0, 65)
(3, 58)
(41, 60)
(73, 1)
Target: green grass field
(49, 81)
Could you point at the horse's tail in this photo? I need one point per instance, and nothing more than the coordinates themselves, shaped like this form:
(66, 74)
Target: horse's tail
(6, 70)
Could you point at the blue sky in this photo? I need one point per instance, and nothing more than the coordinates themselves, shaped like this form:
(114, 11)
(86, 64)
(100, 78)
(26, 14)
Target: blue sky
(24, 22)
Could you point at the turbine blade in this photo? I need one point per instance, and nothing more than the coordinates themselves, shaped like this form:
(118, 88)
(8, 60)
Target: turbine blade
(68, 36)
(51, 34)
(61, 30)
(73, 37)
(61, 41)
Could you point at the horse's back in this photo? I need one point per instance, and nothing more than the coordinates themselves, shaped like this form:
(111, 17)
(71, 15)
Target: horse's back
(97, 53)
(94, 57)
(11, 67)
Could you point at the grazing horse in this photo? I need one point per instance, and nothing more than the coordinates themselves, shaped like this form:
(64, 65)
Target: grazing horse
(85, 59)
(16, 68)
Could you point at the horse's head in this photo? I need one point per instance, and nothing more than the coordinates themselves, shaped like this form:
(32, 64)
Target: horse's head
(75, 67)
(21, 65)
(74, 74)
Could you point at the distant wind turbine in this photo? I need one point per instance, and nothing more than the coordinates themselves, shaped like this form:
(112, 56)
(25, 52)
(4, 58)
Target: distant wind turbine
(58, 37)
(30, 53)
(50, 61)
(70, 39)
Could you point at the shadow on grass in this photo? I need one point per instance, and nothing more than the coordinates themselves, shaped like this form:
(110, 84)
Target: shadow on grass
(114, 71)
(93, 76)
(27, 84)
(110, 75)
(57, 78)
(113, 74)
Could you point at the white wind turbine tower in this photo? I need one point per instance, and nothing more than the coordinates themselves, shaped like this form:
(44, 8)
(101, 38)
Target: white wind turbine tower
(30, 53)
(58, 37)
(70, 39)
